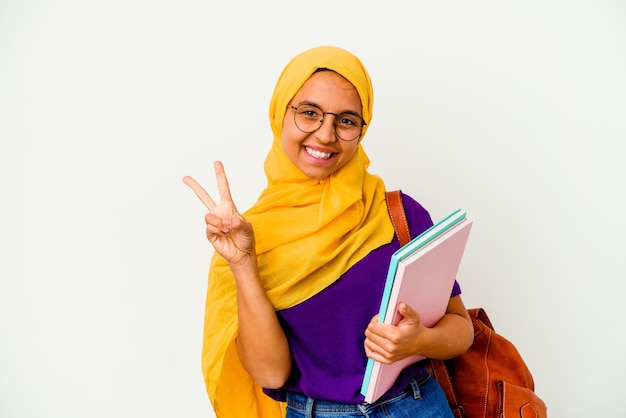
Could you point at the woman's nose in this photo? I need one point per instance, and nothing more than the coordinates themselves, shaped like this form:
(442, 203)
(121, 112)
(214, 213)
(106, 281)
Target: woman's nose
(326, 132)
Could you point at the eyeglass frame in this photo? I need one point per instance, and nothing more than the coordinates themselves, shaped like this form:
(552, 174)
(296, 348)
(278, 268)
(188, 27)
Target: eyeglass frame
(295, 109)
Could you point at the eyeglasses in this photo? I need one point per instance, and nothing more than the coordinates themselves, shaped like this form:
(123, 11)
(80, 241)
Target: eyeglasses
(309, 118)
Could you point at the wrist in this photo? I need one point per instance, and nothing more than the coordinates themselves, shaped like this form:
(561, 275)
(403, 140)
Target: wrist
(245, 264)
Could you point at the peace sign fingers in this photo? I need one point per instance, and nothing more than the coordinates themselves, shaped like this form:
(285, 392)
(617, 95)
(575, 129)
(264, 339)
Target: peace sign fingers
(222, 186)
(231, 235)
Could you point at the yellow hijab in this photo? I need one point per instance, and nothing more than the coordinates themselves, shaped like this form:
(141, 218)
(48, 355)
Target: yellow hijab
(308, 233)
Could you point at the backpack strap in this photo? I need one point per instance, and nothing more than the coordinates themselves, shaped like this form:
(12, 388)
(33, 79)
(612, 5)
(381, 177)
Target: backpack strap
(439, 370)
(398, 217)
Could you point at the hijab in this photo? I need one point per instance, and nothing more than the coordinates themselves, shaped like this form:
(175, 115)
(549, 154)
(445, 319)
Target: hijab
(308, 233)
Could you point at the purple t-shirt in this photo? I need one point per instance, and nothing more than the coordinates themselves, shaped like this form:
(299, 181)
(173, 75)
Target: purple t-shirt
(326, 332)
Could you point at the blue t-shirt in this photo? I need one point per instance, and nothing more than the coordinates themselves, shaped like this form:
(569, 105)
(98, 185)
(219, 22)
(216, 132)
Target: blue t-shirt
(326, 332)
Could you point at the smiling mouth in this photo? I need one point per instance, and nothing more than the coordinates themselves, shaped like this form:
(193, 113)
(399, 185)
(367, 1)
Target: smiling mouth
(318, 154)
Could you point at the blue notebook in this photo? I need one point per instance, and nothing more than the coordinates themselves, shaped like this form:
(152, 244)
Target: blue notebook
(421, 274)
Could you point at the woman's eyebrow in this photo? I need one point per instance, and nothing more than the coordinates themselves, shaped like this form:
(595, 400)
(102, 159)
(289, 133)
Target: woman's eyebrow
(310, 103)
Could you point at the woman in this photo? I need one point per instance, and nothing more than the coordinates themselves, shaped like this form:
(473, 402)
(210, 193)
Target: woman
(296, 281)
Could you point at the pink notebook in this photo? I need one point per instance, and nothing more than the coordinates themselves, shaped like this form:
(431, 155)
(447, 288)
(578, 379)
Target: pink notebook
(421, 274)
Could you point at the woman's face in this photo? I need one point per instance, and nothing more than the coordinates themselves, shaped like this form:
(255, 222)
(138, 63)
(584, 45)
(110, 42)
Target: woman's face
(320, 153)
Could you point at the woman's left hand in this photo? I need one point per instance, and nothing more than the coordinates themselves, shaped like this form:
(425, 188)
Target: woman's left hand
(449, 337)
(390, 343)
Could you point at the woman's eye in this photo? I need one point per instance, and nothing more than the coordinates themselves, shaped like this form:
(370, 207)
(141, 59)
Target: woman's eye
(310, 112)
(347, 121)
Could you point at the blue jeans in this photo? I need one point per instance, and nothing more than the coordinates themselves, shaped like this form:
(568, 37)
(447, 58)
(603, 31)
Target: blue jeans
(423, 398)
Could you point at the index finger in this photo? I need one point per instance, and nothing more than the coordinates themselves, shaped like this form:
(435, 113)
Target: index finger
(200, 192)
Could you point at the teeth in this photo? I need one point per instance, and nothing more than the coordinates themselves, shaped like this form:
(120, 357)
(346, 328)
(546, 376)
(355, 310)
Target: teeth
(317, 154)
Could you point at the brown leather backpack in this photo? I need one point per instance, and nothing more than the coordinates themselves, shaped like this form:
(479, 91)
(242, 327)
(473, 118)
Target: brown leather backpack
(489, 380)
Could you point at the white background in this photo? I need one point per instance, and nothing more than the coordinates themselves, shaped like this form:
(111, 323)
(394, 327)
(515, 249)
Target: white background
(514, 111)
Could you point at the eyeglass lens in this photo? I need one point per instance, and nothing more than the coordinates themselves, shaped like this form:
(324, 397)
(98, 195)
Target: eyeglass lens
(309, 118)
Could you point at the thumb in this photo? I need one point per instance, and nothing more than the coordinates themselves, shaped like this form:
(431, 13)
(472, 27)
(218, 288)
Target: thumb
(408, 313)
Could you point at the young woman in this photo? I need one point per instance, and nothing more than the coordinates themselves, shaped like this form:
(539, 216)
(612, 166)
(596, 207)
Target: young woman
(296, 280)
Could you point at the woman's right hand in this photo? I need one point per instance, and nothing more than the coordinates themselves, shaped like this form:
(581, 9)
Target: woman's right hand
(261, 342)
(229, 232)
